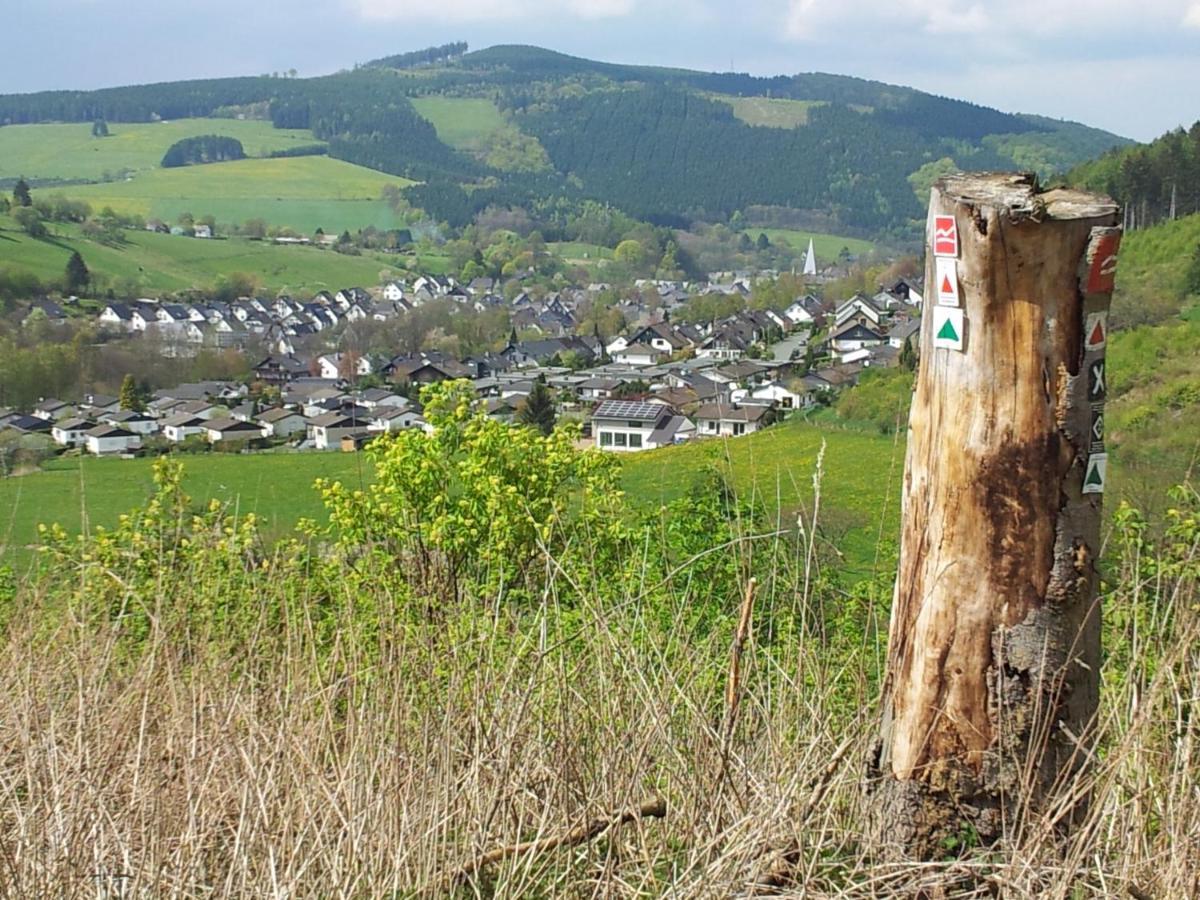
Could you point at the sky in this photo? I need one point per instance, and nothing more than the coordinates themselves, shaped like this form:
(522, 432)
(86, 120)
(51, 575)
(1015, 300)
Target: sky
(1131, 68)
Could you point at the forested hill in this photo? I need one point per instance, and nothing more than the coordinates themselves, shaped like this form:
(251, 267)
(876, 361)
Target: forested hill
(522, 126)
(1157, 181)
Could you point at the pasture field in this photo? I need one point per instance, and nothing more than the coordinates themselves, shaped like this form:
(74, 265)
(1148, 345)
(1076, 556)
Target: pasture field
(827, 246)
(304, 193)
(580, 253)
(465, 123)
(276, 486)
(776, 467)
(69, 152)
(160, 263)
(770, 112)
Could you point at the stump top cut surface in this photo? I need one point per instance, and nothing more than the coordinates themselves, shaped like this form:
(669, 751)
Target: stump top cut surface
(1020, 197)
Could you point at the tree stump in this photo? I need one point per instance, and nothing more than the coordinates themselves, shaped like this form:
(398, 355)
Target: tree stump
(992, 677)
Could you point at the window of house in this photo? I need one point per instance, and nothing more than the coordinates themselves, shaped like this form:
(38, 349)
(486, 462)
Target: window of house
(739, 428)
(633, 424)
(606, 439)
(711, 426)
(635, 440)
(620, 438)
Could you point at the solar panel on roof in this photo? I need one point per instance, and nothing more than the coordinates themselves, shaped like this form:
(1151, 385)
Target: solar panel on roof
(628, 409)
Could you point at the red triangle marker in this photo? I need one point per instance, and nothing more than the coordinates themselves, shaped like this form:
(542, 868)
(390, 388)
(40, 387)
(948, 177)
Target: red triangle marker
(1098, 333)
(946, 286)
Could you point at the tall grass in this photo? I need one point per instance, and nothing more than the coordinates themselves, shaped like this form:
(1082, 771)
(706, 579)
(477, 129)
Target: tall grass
(191, 714)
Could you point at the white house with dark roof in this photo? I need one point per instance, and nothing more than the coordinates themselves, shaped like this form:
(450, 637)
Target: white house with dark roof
(71, 432)
(231, 429)
(107, 440)
(180, 427)
(281, 422)
(730, 420)
(629, 425)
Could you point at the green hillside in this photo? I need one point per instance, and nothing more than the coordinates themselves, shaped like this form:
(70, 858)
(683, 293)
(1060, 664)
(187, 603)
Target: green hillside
(775, 467)
(148, 263)
(304, 193)
(515, 126)
(69, 152)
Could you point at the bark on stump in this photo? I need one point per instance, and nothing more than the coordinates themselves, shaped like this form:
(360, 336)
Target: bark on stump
(994, 645)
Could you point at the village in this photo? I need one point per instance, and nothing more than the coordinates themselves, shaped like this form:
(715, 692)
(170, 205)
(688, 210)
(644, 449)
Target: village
(662, 380)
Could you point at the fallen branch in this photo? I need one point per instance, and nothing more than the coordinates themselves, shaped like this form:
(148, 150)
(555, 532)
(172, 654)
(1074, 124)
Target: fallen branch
(653, 808)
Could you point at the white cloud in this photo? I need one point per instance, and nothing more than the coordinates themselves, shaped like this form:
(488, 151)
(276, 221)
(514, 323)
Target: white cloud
(823, 19)
(491, 10)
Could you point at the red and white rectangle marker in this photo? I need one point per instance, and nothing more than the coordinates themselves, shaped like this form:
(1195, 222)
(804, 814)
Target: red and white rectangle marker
(946, 272)
(1102, 263)
(945, 236)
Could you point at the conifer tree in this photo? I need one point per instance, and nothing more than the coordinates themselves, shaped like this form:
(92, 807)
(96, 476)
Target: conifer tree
(130, 397)
(538, 411)
(78, 276)
(21, 195)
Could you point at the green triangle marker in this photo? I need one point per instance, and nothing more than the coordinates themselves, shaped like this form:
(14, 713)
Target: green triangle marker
(947, 332)
(1093, 475)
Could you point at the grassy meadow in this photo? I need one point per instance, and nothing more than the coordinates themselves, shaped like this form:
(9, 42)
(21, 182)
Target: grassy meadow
(69, 152)
(774, 468)
(304, 193)
(158, 263)
(465, 123)
(826, 246)
(770, 112)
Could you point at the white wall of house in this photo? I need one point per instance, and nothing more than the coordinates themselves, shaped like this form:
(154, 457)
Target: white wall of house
(283, 427)
(621, 438)
(69, 437)
(325, 438)
(104, 446)
(178, 433)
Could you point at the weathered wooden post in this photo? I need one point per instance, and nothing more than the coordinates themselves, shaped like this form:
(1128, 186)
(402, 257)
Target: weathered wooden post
(994, 644)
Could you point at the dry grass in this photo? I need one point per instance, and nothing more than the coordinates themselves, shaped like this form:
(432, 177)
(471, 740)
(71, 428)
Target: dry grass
(381, 763)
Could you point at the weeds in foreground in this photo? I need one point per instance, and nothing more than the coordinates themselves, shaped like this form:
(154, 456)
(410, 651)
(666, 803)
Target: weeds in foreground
(192, 714)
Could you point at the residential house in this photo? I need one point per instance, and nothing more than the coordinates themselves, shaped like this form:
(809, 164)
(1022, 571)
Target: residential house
(117, 317)
(730, 420)
(137, 422)
(228, 428)
(777, 394)
(854, 336)
(326, 431)
(629, 425)
(52, 409)
(71, 432)
(394, 418)
(107, 440)
(281, 422)
(279, 370)
(179, 427)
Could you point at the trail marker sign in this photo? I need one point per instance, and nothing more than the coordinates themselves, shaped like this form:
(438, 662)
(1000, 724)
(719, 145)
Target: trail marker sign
(948, 327)
(1096, 432)
(1102, 263)
(1095, 331)
(1095, 473)
(945, 236)
(947, 282)
(1097, 384)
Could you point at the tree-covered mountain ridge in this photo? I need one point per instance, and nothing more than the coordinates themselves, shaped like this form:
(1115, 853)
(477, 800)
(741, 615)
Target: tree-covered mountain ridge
(663, 144)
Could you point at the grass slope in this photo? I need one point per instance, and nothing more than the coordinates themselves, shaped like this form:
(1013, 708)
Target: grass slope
(770, 112)
(776, 467)
(160, 263)
(304, 193)
(69, 152)
(827, 246)
(859, 489)
(465, 123)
